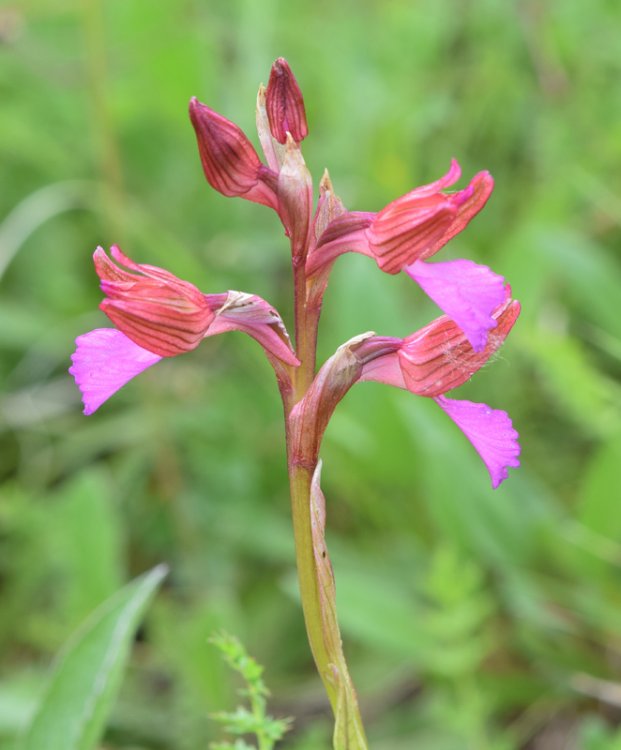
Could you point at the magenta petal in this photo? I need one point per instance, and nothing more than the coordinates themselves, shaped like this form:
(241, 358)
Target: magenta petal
(467, 292)
(490, 431)
(104, 360)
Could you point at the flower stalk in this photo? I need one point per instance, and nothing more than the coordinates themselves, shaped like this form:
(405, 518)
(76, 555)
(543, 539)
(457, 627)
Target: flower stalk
(158, 315)
(302, 462)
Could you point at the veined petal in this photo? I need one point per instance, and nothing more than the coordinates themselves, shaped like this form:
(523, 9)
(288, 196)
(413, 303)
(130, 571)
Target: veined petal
(491, 433)
(469, 202)
(103, 362)
(285, 104)
(153, 307)
(419, 223)
(438, 357)
(466, 291)
(406, 229)
(230, 162)
(446, 180)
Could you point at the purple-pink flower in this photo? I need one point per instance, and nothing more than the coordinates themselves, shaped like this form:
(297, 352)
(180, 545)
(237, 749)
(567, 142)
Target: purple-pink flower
(159, 315)
(154, 308)
(413, 228)
(438, 358)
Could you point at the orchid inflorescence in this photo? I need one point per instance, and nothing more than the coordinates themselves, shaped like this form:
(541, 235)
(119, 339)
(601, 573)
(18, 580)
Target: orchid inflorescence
(158, 315)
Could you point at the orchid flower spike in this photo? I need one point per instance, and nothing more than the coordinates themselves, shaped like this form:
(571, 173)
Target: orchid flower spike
(159, 315)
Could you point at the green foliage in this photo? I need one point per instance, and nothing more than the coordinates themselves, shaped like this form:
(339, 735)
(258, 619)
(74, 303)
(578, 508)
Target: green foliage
(244, 721)
(75, 705)
(595, 735)
(499, 604)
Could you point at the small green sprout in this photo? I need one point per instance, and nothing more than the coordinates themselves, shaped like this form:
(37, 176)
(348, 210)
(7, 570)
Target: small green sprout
(253, 720)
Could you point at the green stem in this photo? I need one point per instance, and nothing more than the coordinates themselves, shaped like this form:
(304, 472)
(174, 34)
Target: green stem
(300, 483)
(301, 471)
(300, 476)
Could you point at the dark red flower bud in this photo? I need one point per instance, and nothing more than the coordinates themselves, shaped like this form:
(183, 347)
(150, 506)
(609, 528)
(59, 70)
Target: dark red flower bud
(285, 104)
(230, 162)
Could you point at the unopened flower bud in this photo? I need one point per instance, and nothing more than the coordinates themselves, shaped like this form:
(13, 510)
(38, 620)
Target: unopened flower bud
(285, 104)
(230, 162)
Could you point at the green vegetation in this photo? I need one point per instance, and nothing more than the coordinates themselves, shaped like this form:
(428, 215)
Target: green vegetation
(471, 618)
(254, 720)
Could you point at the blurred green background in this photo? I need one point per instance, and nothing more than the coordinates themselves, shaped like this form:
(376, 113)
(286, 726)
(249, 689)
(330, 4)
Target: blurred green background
(472, 618)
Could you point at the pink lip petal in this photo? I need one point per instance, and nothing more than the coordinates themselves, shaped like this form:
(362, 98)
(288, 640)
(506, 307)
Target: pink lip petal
(491, 433)
(466, 291)
(103, 362)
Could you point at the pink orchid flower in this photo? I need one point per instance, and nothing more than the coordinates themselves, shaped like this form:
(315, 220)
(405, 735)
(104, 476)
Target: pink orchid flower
(230, 162)
(159, 315)
(413, 228)
(430, 362)
(438, 358)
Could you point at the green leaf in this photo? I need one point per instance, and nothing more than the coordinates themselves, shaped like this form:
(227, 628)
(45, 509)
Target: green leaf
(84, 541)
(83, 686)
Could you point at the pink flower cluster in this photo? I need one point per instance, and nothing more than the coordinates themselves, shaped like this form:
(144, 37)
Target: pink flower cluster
(158, 315)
